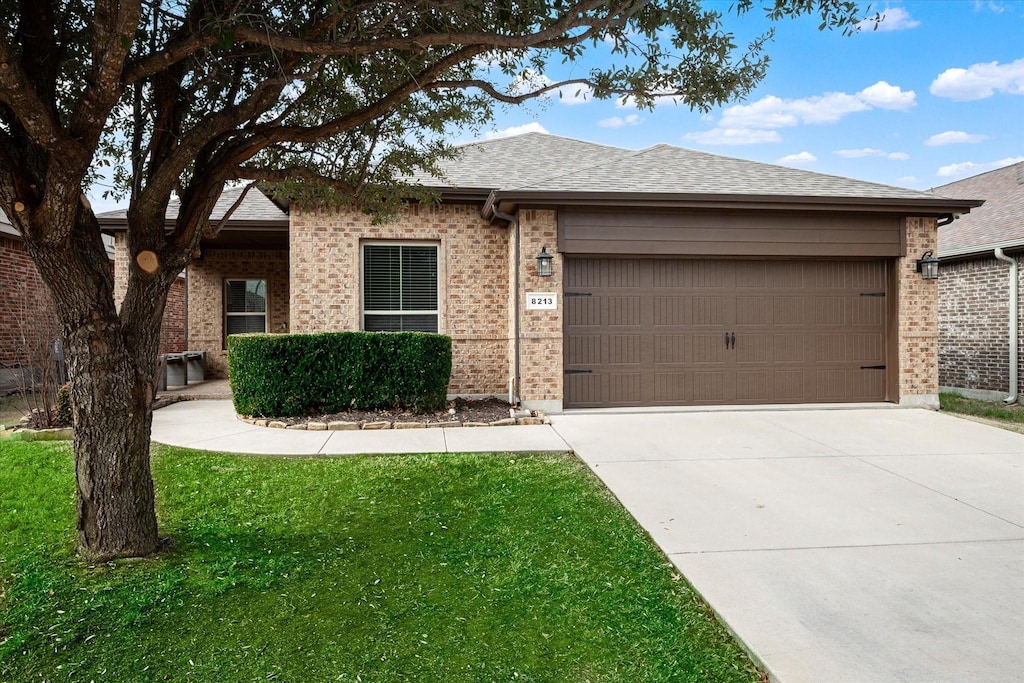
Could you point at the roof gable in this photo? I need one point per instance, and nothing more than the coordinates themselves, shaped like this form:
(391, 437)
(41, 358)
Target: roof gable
(256, 207)
(998, 222)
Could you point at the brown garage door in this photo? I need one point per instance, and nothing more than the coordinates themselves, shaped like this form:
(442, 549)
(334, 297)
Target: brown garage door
(648, 332)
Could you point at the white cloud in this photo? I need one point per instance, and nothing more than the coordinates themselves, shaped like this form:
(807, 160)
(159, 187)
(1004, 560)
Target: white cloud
(979, 81)
(893, 19)
(908, 180)
(970, 168)
(512, 131)
(954, 137)
(619, 122)
(733, 136)
(871, 152)
(885, 96)
(798, 159)
(991, 5)
(753, 122)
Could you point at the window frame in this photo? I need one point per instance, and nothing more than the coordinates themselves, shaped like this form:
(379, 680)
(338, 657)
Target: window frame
(229, 314)
(363, 311)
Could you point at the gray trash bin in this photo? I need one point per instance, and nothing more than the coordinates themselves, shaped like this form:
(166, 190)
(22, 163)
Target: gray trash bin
(176, 371)
(196, 365)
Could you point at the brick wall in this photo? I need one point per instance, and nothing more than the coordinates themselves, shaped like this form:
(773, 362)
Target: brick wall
(172, 327)
(918, 330)
(973, 320)
(541, 332)
(206, 297)
(473, 273)
(27, 319)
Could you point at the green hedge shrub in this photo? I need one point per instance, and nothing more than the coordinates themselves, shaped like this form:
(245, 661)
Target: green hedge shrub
(307, 374)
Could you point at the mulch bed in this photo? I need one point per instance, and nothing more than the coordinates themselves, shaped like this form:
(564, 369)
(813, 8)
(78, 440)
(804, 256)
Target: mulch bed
(461, 409)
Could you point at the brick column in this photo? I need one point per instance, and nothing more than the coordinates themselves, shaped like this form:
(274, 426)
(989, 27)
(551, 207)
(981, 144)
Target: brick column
(540, 332)
(918, 319)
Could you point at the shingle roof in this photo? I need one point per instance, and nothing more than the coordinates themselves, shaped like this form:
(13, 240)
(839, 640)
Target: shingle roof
(999, 221)
(547, 163)
(674, 170)
(512, 162)
(256, 207)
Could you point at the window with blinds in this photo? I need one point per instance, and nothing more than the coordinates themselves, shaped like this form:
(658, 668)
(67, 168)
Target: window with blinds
(245, 306)
(400, 288)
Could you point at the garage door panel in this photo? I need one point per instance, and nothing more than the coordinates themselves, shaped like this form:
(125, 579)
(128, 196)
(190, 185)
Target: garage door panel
(672, 349)
(624, 349)
(865, 347)
(753, 386)
(709, 349)
(583, 349)
(789, 310)
(752, 348)
(625, 387)
(660, 331)
(672, 388)
(789, 386)
(867, 310)
(829, 310)
(789, 348)
(673, 311)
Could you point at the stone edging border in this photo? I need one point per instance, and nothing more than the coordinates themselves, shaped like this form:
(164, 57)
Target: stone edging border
(534, 418)
(54, 434)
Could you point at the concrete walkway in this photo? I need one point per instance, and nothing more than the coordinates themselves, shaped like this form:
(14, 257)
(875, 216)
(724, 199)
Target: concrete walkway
(212, 426)
(848, 545)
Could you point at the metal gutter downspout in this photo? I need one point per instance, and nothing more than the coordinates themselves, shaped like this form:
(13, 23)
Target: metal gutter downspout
(1013, 336)
(490, 210)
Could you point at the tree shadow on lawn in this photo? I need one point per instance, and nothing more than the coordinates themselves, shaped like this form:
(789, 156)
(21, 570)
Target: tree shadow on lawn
(423, 567)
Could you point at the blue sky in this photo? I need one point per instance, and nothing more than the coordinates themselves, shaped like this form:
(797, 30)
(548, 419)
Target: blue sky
(935, 94)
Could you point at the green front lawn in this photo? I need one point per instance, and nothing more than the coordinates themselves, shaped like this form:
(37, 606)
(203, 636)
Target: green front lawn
(426, 568)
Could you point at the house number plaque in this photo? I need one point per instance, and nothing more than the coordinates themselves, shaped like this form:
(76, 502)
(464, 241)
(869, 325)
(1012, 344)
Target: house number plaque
(541, 301)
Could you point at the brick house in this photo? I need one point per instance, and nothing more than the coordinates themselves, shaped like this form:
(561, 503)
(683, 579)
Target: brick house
(27, 320)
(975, 293)
(677, 278)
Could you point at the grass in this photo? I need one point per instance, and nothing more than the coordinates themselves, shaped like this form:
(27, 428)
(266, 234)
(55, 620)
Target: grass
(388, 568)
(991, 412)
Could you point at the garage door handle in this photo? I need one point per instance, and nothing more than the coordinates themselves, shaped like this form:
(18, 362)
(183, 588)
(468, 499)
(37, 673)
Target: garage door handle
(730, 340)
(577, 372)
(872, 367)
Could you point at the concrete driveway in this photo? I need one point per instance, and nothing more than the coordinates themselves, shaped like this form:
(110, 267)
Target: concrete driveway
(839, 545)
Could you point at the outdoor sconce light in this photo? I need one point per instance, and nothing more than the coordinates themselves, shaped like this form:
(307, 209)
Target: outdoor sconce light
(544, 260)
(928, 266)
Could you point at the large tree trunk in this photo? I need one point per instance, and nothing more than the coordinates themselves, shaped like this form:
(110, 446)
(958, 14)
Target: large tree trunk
(112, 410)
(112, 360)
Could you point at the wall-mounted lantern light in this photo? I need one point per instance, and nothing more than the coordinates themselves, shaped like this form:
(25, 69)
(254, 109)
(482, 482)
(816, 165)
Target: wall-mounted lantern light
(928, 266)
(544, 260)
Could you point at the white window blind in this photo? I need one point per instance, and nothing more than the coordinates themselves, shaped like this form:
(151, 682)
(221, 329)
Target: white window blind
(400, 288)
(245, 306)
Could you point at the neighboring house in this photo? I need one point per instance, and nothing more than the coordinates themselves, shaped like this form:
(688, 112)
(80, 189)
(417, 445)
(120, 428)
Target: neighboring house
(28, 324)
(679, 278)
(975, 293)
